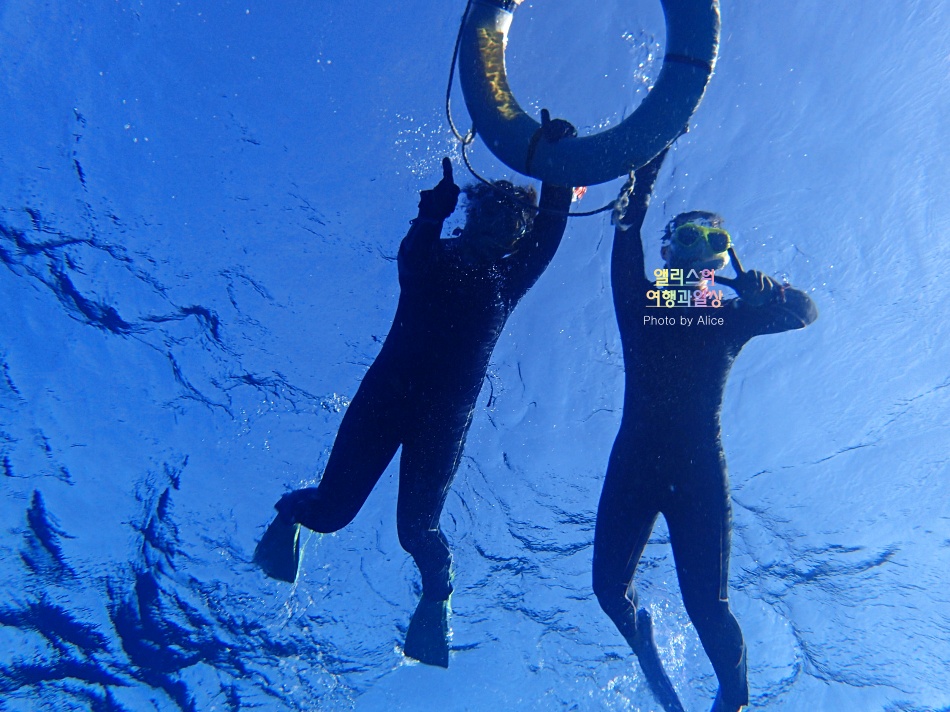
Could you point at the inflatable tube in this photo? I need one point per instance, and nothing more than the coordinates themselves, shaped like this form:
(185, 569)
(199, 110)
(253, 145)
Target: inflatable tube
(692, 42)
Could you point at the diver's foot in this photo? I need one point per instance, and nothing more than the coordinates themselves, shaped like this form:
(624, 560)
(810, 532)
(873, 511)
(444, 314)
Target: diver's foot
(427, 639)
(720, 706)
(278, 552)
(645, 648)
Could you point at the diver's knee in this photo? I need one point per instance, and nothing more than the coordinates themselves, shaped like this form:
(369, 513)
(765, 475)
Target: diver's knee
(612, 595)
(602, 584)
(704, 605)
(437, 586)
(614, 602)
(418, 541)
(607, 595)
(410, 538)
(620, 609)
(714, 619)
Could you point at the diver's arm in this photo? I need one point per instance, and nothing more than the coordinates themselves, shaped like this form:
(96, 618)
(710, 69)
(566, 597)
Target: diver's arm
(434, 207)
(766, 306)
(627, 271)
(785, 308)
(536, 249)
(420, 241)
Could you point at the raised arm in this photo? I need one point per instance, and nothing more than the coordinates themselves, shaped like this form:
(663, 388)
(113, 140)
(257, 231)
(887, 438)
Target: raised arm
(788, 309)
(627, 271)
(434, 207)
(537, 248)
(767, 307)
(545, 235)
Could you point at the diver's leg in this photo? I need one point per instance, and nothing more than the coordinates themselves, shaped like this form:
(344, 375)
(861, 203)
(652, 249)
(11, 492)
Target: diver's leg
(365, 443)
(428, 465)
(700, 523)
(624, 523)
(625, 517)
(430, 458)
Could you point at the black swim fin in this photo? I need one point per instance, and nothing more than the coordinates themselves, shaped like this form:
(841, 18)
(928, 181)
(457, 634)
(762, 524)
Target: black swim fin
(720, 706)
(278, 552)
(427, 639)
(649, 657)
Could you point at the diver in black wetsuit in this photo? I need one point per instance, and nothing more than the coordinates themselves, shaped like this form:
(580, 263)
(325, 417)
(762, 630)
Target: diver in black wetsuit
(456, 295)
(668, 458)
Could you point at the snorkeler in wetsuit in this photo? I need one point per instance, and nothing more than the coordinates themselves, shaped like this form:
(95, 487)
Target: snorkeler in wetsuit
(420, 393)
(668, 458)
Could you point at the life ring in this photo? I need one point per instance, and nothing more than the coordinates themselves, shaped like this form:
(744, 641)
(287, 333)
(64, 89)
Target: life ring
(692, 43)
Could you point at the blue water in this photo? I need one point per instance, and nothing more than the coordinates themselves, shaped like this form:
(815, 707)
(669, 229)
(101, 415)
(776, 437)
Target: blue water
(200, 203)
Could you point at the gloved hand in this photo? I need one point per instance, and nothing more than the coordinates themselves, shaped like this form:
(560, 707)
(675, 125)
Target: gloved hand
(553, 130)
(440, 202)
(755, 288)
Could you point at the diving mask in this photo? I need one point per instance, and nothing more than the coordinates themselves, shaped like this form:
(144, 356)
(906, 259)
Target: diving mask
(716, 238)
(699, 247)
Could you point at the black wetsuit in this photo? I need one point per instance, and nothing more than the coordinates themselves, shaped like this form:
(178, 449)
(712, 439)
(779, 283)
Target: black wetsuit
(668, 458)
(421, 390)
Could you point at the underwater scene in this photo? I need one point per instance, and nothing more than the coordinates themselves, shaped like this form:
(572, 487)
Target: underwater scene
(210, 213)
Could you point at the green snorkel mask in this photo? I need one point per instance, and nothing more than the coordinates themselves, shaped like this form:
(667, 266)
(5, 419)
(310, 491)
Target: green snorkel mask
(700, 247)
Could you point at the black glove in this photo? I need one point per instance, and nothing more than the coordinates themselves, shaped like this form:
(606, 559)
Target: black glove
(753, 287)
(553, 130)
(440, 202)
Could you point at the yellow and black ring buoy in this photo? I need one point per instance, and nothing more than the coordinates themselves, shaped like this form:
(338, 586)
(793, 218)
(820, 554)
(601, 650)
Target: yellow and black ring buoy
(692, 42)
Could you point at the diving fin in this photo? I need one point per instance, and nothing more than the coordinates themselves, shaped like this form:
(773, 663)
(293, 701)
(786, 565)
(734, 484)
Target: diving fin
(649, 657)
(720, 706)
(427, 639)
(278, 552)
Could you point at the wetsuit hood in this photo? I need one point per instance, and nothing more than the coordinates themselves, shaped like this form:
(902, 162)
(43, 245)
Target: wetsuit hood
(497, 216)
